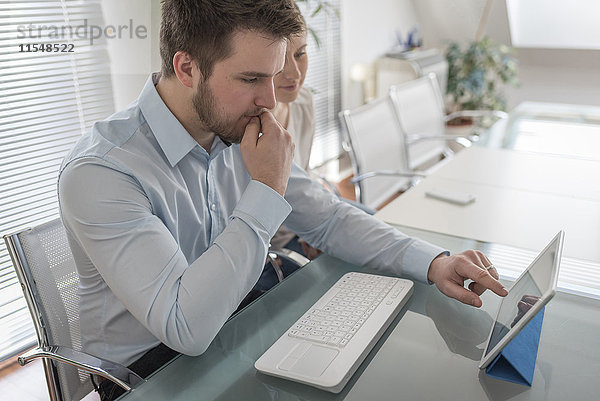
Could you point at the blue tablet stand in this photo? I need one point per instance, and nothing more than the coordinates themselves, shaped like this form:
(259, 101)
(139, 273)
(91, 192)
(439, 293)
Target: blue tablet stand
(516, 362)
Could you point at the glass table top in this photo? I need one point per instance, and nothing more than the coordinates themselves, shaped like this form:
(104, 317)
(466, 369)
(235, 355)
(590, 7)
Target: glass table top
(430, 351)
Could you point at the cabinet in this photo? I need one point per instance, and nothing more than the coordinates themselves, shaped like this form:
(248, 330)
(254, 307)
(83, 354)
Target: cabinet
(396, 68)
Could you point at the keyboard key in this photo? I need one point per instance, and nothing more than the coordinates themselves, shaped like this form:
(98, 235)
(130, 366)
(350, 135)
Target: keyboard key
(334, 341)
(319, 339)
(349, 308)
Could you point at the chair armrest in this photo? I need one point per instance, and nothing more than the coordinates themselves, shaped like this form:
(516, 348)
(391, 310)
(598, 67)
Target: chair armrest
(395, 173)
(461, 140)
(295, 257)
(119, 374)
(477, 114)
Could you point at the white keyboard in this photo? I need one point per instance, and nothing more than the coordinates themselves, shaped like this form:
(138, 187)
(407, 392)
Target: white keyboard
(328, 343)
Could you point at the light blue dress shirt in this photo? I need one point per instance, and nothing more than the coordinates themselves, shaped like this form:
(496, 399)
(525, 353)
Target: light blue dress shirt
(169, 238)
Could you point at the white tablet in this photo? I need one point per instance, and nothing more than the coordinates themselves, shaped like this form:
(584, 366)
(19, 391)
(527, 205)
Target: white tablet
(526, 297)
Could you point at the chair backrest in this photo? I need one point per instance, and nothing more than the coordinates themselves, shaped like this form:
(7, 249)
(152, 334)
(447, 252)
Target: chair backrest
(46, 269)
(420, 108)
(375, 142)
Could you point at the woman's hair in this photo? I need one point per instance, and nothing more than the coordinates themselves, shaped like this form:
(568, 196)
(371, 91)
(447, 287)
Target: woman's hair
(302, 20)
(204, 28)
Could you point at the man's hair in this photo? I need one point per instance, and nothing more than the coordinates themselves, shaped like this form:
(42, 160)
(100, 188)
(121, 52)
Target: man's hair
(204, 28)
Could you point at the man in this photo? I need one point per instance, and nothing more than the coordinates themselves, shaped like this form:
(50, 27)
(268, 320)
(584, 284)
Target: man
(170, 205)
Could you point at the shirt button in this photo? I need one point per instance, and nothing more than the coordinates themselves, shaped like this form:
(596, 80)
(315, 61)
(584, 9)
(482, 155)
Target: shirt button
(213, 207)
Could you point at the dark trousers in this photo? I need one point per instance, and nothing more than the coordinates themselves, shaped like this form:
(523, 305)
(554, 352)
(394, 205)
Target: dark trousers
(147, 364)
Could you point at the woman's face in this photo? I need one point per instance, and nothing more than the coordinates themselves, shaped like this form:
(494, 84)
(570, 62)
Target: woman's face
(289, 82)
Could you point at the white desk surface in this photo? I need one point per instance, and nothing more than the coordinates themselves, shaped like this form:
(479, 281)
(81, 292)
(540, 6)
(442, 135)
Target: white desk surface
(534, 172)
(522, 200)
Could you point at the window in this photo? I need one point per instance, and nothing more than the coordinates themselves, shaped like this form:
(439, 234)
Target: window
(50, 94)
(554, 24)
(324, 78)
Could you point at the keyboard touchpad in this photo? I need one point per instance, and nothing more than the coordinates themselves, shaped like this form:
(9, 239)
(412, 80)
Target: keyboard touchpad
(312, 363)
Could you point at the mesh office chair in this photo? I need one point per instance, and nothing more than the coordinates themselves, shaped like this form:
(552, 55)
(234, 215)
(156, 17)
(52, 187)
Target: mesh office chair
(375, 142)
(420, 108)
(46, 270)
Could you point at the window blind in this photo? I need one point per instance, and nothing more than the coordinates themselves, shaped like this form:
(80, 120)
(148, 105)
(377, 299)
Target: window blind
(47, 100)
(324, 78)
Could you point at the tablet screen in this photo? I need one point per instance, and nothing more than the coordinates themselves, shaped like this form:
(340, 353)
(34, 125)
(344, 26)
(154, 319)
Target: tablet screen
(539, 280)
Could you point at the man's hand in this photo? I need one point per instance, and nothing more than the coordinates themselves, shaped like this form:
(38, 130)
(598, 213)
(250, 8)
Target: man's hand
(450, 272)
(268, 159)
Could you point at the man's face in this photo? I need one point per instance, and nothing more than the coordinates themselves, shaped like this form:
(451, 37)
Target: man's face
(240, 86)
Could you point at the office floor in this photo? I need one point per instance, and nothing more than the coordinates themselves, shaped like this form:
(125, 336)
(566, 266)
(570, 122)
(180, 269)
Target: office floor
(28, 382)
(23, 383)
(346, 188)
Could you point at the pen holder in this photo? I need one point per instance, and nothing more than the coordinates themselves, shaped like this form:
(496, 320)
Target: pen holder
(516, 362)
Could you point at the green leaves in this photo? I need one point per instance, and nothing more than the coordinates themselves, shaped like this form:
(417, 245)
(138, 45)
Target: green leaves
(477, 75)
(318, 6)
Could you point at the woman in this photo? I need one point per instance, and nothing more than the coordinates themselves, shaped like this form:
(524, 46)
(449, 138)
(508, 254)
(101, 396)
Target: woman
(294, 109)
(296, 113)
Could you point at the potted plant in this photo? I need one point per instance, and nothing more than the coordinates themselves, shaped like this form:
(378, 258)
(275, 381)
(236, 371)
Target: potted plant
(477, 75)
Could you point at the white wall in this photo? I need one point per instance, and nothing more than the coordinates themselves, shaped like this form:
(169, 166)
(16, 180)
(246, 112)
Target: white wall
(132, 58)
(562, 76)
(369, 31)
(442, 21)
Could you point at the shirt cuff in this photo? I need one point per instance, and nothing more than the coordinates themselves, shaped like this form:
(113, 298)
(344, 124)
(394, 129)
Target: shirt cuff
(418, 258)
(262, 205)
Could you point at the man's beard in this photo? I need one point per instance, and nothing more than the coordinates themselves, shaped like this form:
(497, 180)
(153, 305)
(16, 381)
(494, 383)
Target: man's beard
(206, 109)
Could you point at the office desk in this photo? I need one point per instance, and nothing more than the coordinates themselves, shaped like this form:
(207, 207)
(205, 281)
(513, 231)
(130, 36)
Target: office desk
(430, 352)
(552, 128)
(522, 200)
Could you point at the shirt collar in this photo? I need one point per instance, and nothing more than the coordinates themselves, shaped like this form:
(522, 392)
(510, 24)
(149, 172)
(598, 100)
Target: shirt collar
(172, 137)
